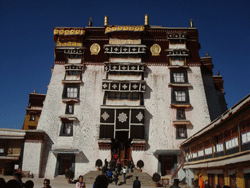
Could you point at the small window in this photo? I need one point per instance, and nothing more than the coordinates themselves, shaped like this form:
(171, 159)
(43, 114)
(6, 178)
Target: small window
(67, 129)
(134, 96)
(32, 117)
(181, 132)
(179, 77)
(75, 73)
(71, 92)
(180, 96)
(180, 114)
(69, 109)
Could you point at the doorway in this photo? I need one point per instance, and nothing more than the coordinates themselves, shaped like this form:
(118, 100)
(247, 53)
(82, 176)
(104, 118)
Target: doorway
(211, 180)
(123, 148)
(65, 162)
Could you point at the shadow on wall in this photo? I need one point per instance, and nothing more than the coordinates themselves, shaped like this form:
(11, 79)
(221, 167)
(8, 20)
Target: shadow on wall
(82, 158)
(44, 155)
(147, 123)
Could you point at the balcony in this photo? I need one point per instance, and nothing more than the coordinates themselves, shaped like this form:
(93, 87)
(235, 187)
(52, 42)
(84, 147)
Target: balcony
(124, 86)
(125, 49)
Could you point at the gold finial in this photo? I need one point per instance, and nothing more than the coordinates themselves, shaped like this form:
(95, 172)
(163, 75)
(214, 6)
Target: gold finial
(146, 19)
(106, 20)
(207, 54)
(191, 23)
(34, 90)
(90, 22)
(218, 73)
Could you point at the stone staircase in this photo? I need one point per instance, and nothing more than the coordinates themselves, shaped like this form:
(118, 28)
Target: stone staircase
(144, 178)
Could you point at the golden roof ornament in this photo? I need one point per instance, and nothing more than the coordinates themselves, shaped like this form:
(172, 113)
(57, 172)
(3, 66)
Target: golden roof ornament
(191, 23)
(90, 22)
(146, 19)
(106, 20)
(207, 54)
(34, 90)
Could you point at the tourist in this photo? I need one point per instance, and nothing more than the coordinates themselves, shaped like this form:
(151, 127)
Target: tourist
(106, 163)
(206, 184)
(129, 165)
(12, 184)
(104, 170)
(101, 181)
(109, 173)
(46, 183)
(176, 184)
(29, 184)
(116, 178)
(2, 183)
(80, 184)
(201, 183)
(137, 183)
(18, 177)
(118, 161)
(119, 168)
(124, 171)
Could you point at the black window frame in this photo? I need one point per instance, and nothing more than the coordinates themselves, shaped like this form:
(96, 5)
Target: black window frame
(34, 116)
(178, 127)
(185, 77)
(132, 96)
(67, 108)
(180, 114)
(62, 132)
(64, 96)
(173, 97)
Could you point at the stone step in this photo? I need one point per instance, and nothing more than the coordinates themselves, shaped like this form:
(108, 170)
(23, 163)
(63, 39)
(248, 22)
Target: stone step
(145, 179)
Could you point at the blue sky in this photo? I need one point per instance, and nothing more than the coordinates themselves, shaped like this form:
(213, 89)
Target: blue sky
(27, 40)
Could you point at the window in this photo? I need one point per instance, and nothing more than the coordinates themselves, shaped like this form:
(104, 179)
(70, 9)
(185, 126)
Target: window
(178, 58)
(123, 95)
(67, 129)
(112, 95)
(179, 77)
(71, 92)
(31, 127)
(181, 132)
(32, 117)
(134, 96)
(180, 96)
(75, 73)
(180, 114)
(69, 109)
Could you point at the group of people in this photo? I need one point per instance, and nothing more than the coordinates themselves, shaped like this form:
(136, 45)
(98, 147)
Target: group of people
(16, 182)
(116, 166)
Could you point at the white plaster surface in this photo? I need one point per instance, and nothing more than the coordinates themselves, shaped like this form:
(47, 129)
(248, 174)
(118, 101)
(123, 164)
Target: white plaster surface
(31, 157)
(159, 130)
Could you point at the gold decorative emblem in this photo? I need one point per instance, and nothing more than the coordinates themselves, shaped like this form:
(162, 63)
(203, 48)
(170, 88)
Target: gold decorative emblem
(95, 49)
(155, 50)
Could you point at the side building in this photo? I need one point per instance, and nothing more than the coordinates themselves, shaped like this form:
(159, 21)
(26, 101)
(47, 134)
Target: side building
(221, 150)
(33, 110)
(141, 87)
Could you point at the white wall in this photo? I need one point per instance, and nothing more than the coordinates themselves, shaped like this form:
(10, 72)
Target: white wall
(31, 157)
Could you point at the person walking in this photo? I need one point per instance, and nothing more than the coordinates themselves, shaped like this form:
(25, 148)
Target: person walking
(80, 184)
(109, 173)
(18, 177)
(201, 182)
(124, 171)
(206, 184)
(119, 168)
(116, 178)
(137, 183)
(46, 183)
(129, 165)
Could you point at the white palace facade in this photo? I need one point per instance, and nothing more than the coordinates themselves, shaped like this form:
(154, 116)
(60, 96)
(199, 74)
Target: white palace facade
(145, 87)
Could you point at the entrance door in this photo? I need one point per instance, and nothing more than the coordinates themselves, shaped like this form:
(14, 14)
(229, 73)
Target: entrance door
(211, 180)
(124, 150)
(221, 180)
(65, 163)
(247, 180)
(167, 165)
(233, 181)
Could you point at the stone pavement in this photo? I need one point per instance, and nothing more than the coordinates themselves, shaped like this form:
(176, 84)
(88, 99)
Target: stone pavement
(62, 183)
